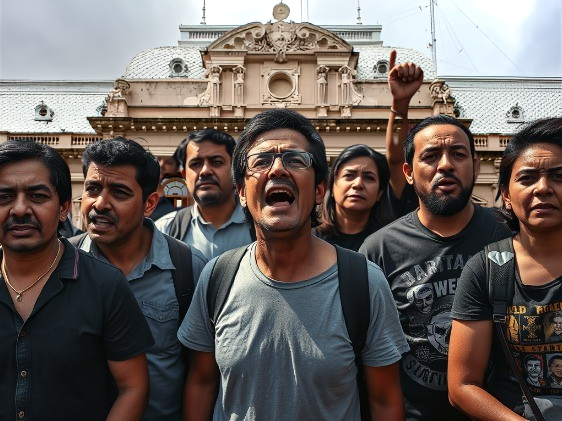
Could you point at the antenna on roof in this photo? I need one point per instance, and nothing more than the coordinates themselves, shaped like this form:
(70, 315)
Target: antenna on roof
(433, 40)
(358, 14)
(203, 21)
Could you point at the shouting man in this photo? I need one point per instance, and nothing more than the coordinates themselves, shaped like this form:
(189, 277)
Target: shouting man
(280, 341)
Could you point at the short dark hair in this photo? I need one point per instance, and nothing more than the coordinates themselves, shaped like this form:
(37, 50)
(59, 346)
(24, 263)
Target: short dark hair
(554, 315)
(121, 151)
(432, 121)
(545, 130)
(329, 226)
(533, 357)
(554, 357)
(27, 149)
(279, 118)
(212, 135)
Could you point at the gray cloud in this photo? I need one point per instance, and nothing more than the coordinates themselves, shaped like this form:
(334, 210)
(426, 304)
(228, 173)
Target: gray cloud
(69, 39)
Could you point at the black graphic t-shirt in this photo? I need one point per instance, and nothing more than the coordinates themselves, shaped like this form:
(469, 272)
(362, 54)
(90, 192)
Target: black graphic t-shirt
(422, 269)
(533, 332)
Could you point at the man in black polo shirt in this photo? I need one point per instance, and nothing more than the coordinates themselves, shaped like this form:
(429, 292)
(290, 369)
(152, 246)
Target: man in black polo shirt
(72, 338)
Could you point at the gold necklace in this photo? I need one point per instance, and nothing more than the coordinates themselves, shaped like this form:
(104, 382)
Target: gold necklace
(19, 294)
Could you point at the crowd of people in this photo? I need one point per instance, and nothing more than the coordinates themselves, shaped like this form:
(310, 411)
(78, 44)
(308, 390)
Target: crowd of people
(401, 299)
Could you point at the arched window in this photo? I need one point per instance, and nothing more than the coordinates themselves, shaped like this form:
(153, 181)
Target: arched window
(381, 68)
(43, 112)
(178, 68)
(515, 115)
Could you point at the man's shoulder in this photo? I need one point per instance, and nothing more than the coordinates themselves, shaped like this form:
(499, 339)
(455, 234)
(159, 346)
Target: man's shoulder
(87, 260)
(491, 219)
(163, 223)
(94, 271)
(392, 231)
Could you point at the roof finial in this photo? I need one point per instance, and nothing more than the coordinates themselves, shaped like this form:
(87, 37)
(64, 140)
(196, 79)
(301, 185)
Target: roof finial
(358, 14)
(203, 21)
(281, 11)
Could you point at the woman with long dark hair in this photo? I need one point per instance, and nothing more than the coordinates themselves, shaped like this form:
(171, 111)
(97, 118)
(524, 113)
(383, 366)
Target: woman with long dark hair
(525, 274)
(358, 178)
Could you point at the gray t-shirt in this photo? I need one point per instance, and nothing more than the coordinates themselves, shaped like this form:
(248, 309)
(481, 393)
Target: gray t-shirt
(283, 349)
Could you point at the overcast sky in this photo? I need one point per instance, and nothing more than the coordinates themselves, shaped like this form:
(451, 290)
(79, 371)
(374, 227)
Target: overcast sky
(95, 40)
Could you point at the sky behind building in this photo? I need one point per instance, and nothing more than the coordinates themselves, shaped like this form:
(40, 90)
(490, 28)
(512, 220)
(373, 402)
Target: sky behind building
(83, 40)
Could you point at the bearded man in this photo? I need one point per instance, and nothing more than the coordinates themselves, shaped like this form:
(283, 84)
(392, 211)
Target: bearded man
(429, 247)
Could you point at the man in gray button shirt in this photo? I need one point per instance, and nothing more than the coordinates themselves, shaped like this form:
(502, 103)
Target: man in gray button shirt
(121, 179)
(215, 223)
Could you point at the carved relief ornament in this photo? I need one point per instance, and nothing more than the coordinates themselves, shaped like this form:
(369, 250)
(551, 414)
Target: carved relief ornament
(279, 38)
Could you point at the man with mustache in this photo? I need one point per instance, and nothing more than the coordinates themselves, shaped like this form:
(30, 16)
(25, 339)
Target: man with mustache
(120, 183)
(72, 338)
(216, 222)
(280, 342)
(430, 246)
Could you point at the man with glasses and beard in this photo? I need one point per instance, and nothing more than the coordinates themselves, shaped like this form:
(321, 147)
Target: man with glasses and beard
(430, 246)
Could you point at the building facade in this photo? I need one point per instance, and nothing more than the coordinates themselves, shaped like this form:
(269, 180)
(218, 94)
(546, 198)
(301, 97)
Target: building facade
(220, 76)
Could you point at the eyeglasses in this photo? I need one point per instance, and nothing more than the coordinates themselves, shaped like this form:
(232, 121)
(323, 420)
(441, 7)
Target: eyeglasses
(292, 160)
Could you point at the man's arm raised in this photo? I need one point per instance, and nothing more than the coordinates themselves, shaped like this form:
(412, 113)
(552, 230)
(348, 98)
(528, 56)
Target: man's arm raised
(404, 80)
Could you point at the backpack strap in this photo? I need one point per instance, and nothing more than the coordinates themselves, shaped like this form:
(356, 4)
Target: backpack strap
(500, 268)
(354, 295)
(500, 261)
(77, 240)
(354, 290)
(355, 299)
(222, 277)
(180, 224)
(182, 275)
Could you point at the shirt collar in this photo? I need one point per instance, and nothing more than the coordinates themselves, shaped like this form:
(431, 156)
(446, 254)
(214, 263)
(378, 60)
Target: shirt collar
(158, 255)
(237, 216)
(68, 264)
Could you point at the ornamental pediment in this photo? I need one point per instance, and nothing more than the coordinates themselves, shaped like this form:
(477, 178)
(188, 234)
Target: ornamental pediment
(280, 38)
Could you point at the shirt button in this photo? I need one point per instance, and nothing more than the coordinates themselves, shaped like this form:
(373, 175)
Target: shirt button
(22, 333)
(23, 373)
(21, 414)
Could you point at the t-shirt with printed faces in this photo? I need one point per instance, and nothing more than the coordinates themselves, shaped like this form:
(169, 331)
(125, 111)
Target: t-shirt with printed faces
(422, 269)
(533, 332)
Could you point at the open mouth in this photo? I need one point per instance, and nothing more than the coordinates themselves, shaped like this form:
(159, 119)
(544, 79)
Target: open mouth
(101, 221)
(279, 197)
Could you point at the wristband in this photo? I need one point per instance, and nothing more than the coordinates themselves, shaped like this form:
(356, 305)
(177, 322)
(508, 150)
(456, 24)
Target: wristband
(392, 110)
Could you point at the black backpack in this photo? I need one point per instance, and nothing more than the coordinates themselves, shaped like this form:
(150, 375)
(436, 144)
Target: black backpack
(354, 295)
(180, 223)
(180, 253)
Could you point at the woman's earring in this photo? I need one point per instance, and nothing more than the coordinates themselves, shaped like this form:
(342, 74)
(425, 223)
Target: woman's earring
(508, 206)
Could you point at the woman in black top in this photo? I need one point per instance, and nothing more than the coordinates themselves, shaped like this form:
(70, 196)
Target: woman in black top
(358, 178)
(530, 182)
